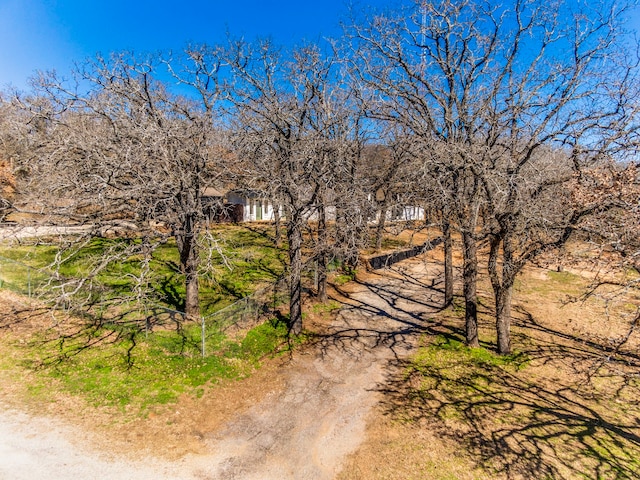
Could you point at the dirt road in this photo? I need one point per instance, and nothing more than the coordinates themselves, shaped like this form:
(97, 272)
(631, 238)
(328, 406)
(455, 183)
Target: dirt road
(302, 431)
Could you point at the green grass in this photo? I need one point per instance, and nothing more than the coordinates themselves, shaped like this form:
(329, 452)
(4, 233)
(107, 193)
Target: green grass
(139, 373)
(327, 307)
(128, 365)
(236, 265)
(344, 275)
(389, 243)
(505, 412)
(454, 361)
(564, 278)
(566, 282)
(478, 356)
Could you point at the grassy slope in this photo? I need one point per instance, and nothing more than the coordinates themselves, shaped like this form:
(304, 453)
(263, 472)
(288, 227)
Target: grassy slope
(127, 368)
(564, 406)
(250, 259)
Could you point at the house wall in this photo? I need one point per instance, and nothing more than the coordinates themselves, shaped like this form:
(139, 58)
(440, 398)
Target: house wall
(406, 213)
(255, 209)
(260, 209)
(397, 211)
(412, 213)
(330, 214)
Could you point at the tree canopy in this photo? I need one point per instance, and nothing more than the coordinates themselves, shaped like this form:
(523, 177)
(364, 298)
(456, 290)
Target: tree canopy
(497, 116)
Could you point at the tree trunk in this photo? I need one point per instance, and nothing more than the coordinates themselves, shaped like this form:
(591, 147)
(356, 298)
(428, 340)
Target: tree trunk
(340, 237)
(448, 262)
(503, 318)
(348, 236)
(322, 254)
(294, 238)
(502, 283)
(192, 298)
(188, 248)
(278, 224)
(469, 277)
(381, 224)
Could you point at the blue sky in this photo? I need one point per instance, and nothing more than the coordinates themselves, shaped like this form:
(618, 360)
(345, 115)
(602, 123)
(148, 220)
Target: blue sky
(52, 34)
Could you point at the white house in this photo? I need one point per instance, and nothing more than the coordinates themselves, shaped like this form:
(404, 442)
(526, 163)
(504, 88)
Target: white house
(397, 210)
(255, 206)
(246, 205)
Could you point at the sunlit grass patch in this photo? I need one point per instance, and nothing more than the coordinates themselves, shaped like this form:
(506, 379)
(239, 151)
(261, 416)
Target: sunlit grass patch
(515, 413)
(327, 307)
(233, 265)
(133, 355)
(139, 373)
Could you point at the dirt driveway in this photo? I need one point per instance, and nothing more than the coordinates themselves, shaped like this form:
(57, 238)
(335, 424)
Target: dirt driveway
(302, 430)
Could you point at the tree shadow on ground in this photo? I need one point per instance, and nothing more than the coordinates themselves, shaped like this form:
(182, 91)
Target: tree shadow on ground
(170, 295)
(536, 420)
(543, 414)
(579, 349)
(390, 311)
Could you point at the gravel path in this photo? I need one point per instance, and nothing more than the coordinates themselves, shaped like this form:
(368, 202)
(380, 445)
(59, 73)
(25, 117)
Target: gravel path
(303, 431)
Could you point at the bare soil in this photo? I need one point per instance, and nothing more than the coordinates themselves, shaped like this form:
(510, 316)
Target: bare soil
(344, 407)
(570, 413)
(297, 417)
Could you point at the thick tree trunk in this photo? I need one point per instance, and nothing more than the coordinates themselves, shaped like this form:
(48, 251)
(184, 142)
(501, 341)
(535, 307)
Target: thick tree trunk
(503, 318)
(322, 254)
(188, 248)
(192, 297)
(294, 238)
(448, 262)
(340, 237)
(502, 283)
(469, 278)
(348, 237)
(381, 224)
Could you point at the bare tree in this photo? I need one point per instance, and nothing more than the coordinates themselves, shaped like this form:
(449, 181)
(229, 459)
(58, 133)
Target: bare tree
(437, 190)
(496, 87)
(10, 147)
(612, 191)
(289, 121)
(549, 113)
(430, 81)
(388, 176)
(117, 145)
(337, 137)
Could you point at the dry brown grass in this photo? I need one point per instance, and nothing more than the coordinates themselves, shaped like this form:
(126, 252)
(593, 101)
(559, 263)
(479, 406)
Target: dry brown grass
(564, 407)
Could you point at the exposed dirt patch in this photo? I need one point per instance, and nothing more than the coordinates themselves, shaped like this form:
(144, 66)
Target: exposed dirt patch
(345, 407)
(297, 417)
(571, 412)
